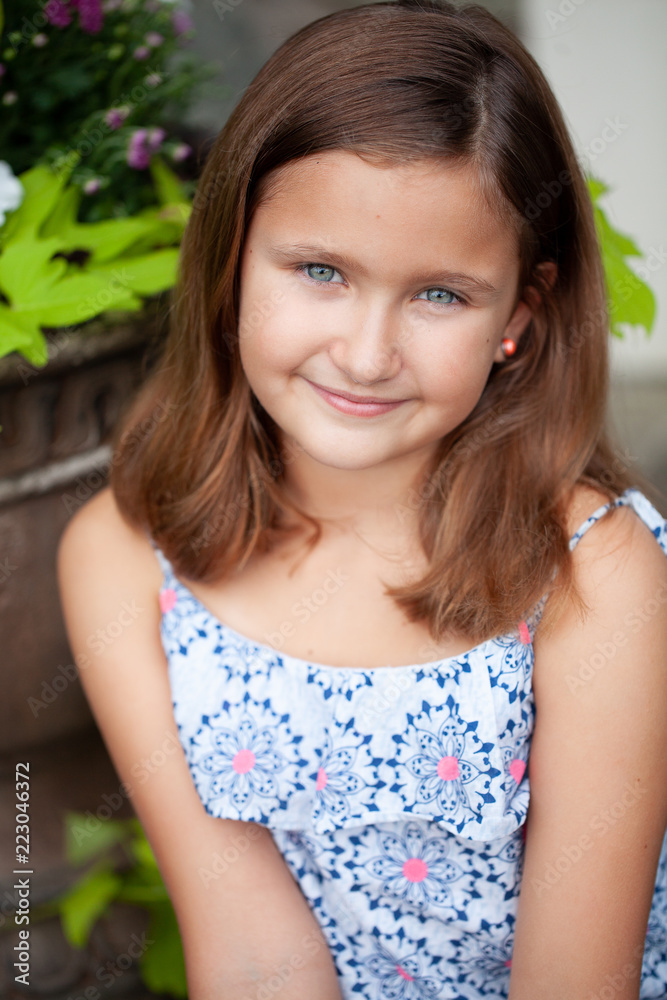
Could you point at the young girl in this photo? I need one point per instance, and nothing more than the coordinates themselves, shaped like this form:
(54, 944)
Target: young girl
(422, 707)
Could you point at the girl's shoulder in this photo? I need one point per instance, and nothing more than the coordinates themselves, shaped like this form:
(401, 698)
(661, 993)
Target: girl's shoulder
(584, 501)
(100, 553)
(625, 528)
(619, 551)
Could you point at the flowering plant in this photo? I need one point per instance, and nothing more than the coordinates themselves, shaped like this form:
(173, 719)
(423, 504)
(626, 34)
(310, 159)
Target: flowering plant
(91, 207)
(56, 271)
(97, 88)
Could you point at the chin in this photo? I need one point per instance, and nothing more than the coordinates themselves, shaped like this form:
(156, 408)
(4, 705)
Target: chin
(348, 458)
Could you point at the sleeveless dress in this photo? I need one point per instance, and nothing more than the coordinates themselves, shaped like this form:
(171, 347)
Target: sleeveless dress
(396, 795)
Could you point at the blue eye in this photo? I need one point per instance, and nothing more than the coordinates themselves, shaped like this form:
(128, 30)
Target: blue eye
(439, 300)
(322, 274)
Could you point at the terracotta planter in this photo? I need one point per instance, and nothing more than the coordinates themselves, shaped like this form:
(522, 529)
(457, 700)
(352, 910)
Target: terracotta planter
(54, 455)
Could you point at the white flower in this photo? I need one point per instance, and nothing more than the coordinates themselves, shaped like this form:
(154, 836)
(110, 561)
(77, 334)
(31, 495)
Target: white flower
(11, 191)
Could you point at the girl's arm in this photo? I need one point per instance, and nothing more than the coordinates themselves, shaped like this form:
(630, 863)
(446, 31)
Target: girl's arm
(598, 775)
(242, 922)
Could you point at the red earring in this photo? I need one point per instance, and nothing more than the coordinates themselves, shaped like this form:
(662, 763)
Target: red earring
(508, 347)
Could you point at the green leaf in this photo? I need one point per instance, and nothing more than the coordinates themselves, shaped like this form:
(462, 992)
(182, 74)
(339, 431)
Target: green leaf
(77, 298)
(146, 275)
(596, 187)
(630, 300)
(110, 238)
(169, 222)
(162, 965)
(143, 852)
(168, 185)
(167, 234)
(88, 899)
(26, 268)
(20, 334)
(611, 239)
(144, 895)
(86, 837)
(42, 190)
(63, 216)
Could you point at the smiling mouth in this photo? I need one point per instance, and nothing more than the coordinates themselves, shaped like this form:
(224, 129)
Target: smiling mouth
(356, 399)
(356, 406)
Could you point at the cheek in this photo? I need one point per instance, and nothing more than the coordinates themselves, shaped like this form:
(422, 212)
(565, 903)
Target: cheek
(455, 368)
(452, 391)
(273, 337)
(257, 308)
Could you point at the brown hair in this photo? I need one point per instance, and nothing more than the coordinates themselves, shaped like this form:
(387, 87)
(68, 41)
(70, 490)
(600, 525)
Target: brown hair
(398, 81)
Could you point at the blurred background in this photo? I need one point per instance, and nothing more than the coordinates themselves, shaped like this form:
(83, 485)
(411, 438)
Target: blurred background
(606, 64)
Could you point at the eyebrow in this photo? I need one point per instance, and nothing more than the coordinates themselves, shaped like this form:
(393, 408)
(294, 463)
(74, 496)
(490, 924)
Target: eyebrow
(281, 252)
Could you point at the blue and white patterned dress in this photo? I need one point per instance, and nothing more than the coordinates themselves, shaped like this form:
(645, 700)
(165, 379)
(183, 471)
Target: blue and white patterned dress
(397, 795)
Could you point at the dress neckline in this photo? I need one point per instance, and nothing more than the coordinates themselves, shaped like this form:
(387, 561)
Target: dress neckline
(330, 668)
(628, 497)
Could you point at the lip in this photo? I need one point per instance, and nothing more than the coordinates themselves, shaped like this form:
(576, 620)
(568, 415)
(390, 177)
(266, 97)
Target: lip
(360, 406)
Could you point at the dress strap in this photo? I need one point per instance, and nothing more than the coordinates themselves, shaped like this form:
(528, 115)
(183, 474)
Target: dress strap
(633, 498)
(165, 565)
(624, 500)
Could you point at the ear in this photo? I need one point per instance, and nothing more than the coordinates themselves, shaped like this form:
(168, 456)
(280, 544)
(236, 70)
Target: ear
(528, 305)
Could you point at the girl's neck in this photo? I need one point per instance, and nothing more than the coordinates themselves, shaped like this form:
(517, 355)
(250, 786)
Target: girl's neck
(381, 500)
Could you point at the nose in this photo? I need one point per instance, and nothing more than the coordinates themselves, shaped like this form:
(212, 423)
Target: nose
(369, 350)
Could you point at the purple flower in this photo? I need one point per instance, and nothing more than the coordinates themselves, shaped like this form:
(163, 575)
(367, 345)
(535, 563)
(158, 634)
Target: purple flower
(91, 17)
(116, 116)
(154, 38)
(181, 152)
(155, 138)
(141, 52)
(2, 70)
(142, 145)
(181, 22)
(92, 186)
(40, 40)
(57, 13)
(138, 155)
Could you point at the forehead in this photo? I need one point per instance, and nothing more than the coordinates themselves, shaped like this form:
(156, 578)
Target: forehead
(436, 209)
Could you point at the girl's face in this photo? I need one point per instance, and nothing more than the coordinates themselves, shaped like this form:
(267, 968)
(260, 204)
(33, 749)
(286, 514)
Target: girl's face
(391, 283)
